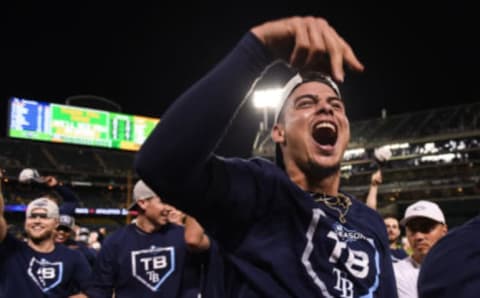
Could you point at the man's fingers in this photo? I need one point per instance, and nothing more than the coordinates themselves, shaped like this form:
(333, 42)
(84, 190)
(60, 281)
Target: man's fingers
(339, 51)
(308, 43)
(351, 58)
(317, 50)
(335, 51)
(302, 43)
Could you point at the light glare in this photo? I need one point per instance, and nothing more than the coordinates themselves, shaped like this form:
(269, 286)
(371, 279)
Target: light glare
(267, 98)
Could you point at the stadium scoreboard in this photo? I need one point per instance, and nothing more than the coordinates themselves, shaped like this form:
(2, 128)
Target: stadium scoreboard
(43, 121)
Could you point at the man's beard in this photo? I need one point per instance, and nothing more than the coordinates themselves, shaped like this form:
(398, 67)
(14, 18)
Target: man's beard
(40, 238)
(394, 240)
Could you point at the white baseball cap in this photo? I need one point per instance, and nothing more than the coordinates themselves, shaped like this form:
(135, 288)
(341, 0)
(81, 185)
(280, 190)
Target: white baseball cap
(141, 192)
(28, 175)
(425, 209)
(301, 78)
(43, 203)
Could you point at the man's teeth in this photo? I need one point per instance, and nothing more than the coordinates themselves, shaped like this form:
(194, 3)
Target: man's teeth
(325, 124)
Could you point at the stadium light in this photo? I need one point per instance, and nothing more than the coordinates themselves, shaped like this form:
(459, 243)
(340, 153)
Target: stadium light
(353, 153)
(267, 98)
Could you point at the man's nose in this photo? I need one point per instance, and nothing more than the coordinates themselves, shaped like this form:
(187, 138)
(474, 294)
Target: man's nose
(419, 235)
(323, 106)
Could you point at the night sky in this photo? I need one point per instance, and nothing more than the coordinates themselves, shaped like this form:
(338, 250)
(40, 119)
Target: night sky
(143, 54)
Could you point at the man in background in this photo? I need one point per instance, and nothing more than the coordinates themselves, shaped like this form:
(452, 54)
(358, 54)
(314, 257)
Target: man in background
(391, 222)
(425, 224)
(452, 267)
(149, 258)
(65, 235)
(394, 233)
(39, 267)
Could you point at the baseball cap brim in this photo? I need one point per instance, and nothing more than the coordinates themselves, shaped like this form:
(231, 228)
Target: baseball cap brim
(133, 206)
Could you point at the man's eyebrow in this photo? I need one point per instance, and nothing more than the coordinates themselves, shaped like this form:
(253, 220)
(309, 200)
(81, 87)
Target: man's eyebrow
(309, 95)
(314, 96)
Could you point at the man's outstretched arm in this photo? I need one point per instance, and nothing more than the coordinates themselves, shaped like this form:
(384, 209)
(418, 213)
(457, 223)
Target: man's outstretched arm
(177, 151)
(70, 200)
(375, 180)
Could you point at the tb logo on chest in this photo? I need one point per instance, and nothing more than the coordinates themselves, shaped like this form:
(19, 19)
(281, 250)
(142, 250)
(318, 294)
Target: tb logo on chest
(46, 275)
(153, 266)
(353, 259)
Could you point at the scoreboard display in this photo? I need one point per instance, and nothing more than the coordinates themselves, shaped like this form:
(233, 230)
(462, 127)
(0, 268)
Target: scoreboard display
(37, 120)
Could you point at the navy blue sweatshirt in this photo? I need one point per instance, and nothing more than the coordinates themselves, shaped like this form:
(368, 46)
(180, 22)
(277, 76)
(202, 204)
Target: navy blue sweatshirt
(452, 267)
(274, 239)
(28, 273)
(133, 263)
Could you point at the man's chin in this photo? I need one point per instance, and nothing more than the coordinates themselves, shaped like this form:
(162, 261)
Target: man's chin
(39, 238)
(325, 167)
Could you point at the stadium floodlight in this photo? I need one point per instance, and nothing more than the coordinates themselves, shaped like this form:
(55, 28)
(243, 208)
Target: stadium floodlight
(267, 98)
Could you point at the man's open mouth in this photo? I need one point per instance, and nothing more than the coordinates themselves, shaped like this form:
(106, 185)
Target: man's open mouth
(325, 133)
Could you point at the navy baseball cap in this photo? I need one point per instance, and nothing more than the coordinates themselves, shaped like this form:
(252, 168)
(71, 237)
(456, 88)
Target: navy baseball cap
(66, 221)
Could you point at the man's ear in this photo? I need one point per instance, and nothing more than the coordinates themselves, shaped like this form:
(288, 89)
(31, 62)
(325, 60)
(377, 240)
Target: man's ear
(278, 133)
(445, 229)
(142, 204)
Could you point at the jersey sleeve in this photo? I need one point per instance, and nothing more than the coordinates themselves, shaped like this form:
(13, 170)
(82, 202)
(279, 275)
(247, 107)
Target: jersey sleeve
(8, 245)
(450, 268)
(175, 160)
(70, 200)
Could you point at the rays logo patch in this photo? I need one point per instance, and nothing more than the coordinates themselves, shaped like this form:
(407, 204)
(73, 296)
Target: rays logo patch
(153, 266)
(45, 274)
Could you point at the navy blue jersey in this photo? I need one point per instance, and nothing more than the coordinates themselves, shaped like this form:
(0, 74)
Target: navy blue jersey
(280, 243)
(139, 264)
(398, 254)
(275, 239)
(452, 267)
(27, 273)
